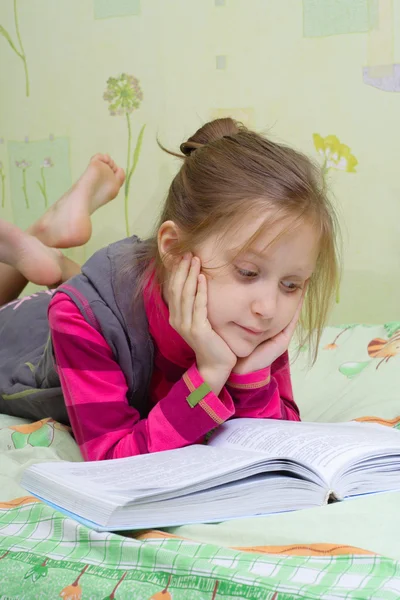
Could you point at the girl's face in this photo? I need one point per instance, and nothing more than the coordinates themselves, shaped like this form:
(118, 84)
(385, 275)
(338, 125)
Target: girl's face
(255, 296)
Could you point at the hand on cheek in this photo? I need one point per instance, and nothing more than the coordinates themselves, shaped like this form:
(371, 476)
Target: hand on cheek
(188, 315)
(267, 352)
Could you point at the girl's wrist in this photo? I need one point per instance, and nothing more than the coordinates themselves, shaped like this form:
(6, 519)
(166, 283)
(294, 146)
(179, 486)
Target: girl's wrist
(245, 369)
(215, 377)
(204, 363)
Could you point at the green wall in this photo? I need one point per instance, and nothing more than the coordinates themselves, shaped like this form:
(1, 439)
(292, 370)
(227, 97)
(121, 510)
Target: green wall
(298, 70)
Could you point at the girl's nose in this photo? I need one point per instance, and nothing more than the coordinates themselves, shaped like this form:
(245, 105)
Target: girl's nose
(265, 305)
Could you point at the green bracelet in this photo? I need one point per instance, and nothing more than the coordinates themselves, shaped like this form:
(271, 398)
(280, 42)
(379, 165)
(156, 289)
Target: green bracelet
(198, 394)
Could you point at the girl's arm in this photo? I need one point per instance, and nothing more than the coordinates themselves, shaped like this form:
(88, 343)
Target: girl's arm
(265, 394)
(94, 387)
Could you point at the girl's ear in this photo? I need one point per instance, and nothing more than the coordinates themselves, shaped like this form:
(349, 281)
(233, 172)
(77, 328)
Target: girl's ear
(168, 238)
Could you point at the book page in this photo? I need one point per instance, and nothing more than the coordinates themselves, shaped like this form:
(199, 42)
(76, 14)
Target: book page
(326, 447)
(145, 475)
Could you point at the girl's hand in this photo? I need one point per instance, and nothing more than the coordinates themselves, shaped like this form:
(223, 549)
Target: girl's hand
(187, 299)
(267, 352)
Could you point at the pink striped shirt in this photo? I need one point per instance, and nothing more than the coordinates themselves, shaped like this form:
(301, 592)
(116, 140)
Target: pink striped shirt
(94, 387)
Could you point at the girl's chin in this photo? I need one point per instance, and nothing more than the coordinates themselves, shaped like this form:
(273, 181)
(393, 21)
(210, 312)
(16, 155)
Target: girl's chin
(241, 348)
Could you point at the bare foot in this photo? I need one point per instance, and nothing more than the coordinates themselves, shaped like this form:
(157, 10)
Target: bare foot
(67, 222)
(28, 255)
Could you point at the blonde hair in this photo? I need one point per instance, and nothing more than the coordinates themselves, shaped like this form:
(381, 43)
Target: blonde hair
(228, 173)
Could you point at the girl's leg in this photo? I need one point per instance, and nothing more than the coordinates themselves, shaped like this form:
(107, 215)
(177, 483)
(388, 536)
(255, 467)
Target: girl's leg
(50, 269)
(30, 256)
(24, 258)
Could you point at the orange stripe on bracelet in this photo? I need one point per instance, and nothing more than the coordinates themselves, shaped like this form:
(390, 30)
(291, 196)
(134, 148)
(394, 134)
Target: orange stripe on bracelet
(250, 386)
(188, 382)
(210, 412)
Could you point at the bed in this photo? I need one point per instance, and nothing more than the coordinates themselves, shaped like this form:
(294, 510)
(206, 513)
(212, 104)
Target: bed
(345, 550)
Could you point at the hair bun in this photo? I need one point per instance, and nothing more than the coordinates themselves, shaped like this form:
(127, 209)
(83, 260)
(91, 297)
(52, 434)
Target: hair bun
(211, 132)
(188, 147)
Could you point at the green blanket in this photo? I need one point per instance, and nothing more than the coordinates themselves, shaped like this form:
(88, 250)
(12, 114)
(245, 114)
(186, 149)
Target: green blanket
(46, 555)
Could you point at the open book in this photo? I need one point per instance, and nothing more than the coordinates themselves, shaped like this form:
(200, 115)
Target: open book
(249, 467)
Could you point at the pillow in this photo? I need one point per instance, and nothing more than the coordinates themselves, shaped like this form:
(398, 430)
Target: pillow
(357, 374)
(23, 443)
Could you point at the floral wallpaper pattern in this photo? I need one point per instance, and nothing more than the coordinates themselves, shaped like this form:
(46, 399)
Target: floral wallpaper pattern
(124, 96)
(321, 76)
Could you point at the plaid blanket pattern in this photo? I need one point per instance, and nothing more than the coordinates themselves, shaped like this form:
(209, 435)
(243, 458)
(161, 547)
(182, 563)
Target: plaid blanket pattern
(44, 554)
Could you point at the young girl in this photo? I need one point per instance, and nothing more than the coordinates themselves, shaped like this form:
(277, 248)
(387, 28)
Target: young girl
(157, 342)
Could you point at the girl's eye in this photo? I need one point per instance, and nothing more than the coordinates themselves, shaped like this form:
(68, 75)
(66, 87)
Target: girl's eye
(246, 274)
(290, 286)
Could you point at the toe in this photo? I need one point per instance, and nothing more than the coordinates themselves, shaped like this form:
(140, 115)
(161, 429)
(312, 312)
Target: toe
(102, 157)
(120, 174)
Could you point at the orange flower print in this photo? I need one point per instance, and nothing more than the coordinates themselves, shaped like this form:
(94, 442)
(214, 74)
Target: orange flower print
(384, 349)
(330, 347)
(73, 591)
(334, 345)
(164, 594)
(112, 595)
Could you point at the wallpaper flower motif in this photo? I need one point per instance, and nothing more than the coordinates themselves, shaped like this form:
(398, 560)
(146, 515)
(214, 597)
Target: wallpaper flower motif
(335, 154)
(124, 95)
(24, 165)
(46, 164)
(19, 52)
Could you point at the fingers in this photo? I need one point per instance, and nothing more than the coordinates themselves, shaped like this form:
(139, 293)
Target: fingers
(200, 303)
(183, 287)
(177, 280)
(189, 293)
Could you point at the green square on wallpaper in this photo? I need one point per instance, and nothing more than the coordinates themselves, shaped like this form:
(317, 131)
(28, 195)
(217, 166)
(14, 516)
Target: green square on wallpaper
(104, 9)
(335, 17)
(39, 175)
